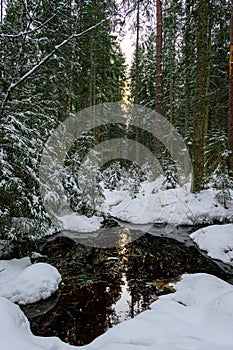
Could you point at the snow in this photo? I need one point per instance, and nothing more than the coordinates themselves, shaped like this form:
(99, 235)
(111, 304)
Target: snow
(80, 223)
(156, 204)
(198, 316)
(15, 331)
(216, 240)
(176, 206)
(23, 282)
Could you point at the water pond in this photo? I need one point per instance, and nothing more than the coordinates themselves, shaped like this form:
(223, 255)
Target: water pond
(103, 286)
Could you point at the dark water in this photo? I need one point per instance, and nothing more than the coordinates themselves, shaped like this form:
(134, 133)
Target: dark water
(104, 286)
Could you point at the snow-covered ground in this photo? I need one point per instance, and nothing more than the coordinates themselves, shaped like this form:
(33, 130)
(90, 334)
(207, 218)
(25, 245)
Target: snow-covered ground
(23, 282)
(217, 241)
(198, 316)
(80, 223)
(177, 206)
(155, 204)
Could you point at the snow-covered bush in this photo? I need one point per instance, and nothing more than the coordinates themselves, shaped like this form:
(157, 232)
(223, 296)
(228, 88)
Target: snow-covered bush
(126, 177)
(170, 171)
(82, 182)
(217, 172)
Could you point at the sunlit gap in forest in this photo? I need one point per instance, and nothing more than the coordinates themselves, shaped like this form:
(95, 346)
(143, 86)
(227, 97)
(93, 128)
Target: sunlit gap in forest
(127, 49)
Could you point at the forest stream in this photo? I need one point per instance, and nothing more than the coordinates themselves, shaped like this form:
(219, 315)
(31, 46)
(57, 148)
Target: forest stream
(104, 286)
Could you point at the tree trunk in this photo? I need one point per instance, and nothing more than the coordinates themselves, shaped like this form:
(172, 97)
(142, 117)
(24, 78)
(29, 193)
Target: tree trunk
(136, 97)
(2, 6)
(201, 94)
(137, 53)
(187, 54)
(159, 76)
(230, 107)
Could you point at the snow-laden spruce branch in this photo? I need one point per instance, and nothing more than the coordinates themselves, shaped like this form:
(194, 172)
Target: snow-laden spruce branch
(43, 61)
(14, 36)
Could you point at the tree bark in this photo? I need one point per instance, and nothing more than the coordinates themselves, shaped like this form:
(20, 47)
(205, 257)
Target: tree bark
(159, 75)
(2, 6)
(201, 94)
(187, 54)
(230, 107)
(137, 53)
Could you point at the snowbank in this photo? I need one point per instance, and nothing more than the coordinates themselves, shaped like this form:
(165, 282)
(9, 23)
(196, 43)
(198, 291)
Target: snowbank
(23, 282)
(217, 240)
(199, 315)
(178, 206)
(156, 204)
(15, 331)
(80, 223)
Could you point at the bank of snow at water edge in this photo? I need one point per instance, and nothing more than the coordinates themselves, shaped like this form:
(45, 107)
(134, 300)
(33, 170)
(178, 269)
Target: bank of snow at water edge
(199, 315)
(23, 282)
(156, 204)
(80, 223)
(216, 240)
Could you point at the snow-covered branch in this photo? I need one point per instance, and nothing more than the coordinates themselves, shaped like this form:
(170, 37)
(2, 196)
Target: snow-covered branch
(14, 36)
(43, 61)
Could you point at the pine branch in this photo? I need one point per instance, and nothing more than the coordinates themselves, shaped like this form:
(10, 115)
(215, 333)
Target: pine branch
(14, 36)
(43, 61)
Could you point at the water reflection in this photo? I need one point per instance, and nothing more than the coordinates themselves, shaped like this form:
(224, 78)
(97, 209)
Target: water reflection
(124, 307)
(102, 287)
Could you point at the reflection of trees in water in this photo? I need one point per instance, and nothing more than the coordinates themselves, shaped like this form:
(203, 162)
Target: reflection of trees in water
(139, 295)
(151, 260)
(93, 280)
(81, 314)
(92, 284)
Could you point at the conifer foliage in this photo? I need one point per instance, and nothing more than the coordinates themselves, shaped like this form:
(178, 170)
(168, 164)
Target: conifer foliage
(57, 57)
(195, 70)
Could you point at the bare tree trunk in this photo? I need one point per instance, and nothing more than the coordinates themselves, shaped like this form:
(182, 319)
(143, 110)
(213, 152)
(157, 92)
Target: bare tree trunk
(159, 76)
(230, 107)
(136, 95)
(187, 52)
(137, 52)
(2, 6)
(201, 94)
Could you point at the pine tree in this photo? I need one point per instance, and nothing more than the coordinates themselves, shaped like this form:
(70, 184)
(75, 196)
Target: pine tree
(200, 125)
(34, 106)
(159, 57)
(230, 108)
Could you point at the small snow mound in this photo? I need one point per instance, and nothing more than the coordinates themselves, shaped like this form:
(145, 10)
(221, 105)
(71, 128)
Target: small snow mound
(191, 290)
(24, 283)
(216, 240)
(80, 223)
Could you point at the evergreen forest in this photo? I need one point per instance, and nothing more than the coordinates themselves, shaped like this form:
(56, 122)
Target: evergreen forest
(60, 57)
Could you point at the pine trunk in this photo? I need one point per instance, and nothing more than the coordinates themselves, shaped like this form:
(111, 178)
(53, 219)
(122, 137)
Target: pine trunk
(136, 97)
(137, 53)
(230, 111)
(187, 53)
(201, 94)
(159, 76)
